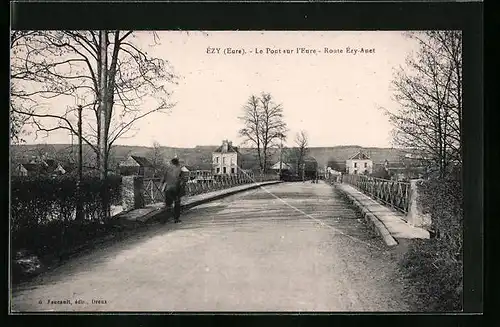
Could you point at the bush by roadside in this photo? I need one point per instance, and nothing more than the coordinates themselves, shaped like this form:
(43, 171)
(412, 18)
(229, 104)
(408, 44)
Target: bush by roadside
(43, 210)
(434, 267)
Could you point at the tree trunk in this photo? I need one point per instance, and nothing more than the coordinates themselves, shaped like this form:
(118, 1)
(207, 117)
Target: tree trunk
(103, 142)
(79, 205)
(103, 104)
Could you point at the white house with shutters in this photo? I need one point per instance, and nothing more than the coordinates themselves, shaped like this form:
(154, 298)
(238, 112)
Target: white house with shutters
(359, 163)
(226, 159)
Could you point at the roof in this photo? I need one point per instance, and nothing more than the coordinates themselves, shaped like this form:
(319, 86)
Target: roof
(310, 159)
(142, 161)
(201, 166)
(283, 166)
(230, 148)
(51, 163)
(33, 167)
(134, 161)
(184, 169)
(69, 166)
(359, 156)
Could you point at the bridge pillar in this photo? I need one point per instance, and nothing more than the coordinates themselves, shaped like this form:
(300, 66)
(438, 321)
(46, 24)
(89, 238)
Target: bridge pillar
(415, 215)
(132, 192)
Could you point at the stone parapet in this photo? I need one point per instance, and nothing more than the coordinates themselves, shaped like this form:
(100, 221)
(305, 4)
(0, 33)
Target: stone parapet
(415, 215)
(132, 192)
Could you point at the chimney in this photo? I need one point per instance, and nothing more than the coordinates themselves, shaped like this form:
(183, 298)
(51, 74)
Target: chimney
(224, 146)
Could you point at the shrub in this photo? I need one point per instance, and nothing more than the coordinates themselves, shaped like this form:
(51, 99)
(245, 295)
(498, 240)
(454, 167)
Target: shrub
(43, 210)
(435, 277)
(443, 200)
(435, 266)
(381, 173)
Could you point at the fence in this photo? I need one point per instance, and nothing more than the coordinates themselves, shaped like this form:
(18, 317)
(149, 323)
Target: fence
(392, 193)
(197, 185)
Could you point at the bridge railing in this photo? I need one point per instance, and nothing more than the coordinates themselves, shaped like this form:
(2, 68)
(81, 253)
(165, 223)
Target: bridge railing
(392, 193)
(151, 189)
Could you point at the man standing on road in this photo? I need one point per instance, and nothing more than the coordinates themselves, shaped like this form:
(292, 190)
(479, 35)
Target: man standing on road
(172, 186)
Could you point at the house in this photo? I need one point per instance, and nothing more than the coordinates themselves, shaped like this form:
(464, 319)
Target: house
(19, 170)
(136, 165)
(359, 163)
(332, 172)
(226, 159)
(45, 167)
(402, 171)
(28, 169)
(54, 168)
(284, 167)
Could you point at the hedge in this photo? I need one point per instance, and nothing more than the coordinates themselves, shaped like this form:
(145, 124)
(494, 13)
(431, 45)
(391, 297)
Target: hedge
(435, 266)
(43, 211)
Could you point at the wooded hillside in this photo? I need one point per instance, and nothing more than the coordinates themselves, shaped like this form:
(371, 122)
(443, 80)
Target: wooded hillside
(200, 157)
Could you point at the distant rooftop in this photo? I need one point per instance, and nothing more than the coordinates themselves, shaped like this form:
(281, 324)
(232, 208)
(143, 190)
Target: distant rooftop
(229, 145)
(359, 156)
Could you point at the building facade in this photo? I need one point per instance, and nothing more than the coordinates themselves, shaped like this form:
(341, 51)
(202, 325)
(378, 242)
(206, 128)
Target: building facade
(226, 159)
(359, 163)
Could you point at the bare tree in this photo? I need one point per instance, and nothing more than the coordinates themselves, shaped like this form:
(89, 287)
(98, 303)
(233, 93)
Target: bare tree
(44, 151)
(251, 119)
(301, 149)
(69, 65)
(263, 127)
(429, 92)
(17, 102)
(273, 127)
(156, 157)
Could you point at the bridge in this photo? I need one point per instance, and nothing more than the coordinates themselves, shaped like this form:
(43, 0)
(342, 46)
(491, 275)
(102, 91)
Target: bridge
(292, 246)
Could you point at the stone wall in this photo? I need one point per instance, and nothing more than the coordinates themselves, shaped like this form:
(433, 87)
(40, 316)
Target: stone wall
(415, 215)
(132, 189)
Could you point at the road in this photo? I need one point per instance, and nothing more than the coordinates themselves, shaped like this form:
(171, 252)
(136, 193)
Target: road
(285, 247)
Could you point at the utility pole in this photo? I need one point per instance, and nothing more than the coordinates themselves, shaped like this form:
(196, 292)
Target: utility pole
(79, 206)
(281, 154)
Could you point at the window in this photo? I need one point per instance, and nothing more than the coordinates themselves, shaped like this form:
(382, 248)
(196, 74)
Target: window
(224, 170)
(223, 160)
(232, 170)
(217, 159)
(366, 164)
(355, 171)
(218, 170)
(355, 164)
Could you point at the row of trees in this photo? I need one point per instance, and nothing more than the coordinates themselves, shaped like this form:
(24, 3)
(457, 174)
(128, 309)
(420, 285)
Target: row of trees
(429, 93)
(108, 74)
(429, 120)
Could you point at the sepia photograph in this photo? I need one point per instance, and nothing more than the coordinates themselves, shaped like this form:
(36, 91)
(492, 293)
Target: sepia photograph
(236, 171)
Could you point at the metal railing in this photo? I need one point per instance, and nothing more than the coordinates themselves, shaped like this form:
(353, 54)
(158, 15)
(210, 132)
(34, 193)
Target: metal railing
(392, 193)
(152, 186)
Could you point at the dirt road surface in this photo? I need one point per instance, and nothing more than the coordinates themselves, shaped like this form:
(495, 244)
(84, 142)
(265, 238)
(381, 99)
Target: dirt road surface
(285, 247)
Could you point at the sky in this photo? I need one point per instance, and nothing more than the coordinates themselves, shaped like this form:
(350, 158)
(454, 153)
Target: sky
(334, 97)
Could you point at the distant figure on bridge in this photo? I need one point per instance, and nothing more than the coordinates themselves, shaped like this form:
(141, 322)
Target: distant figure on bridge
(173, 188)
